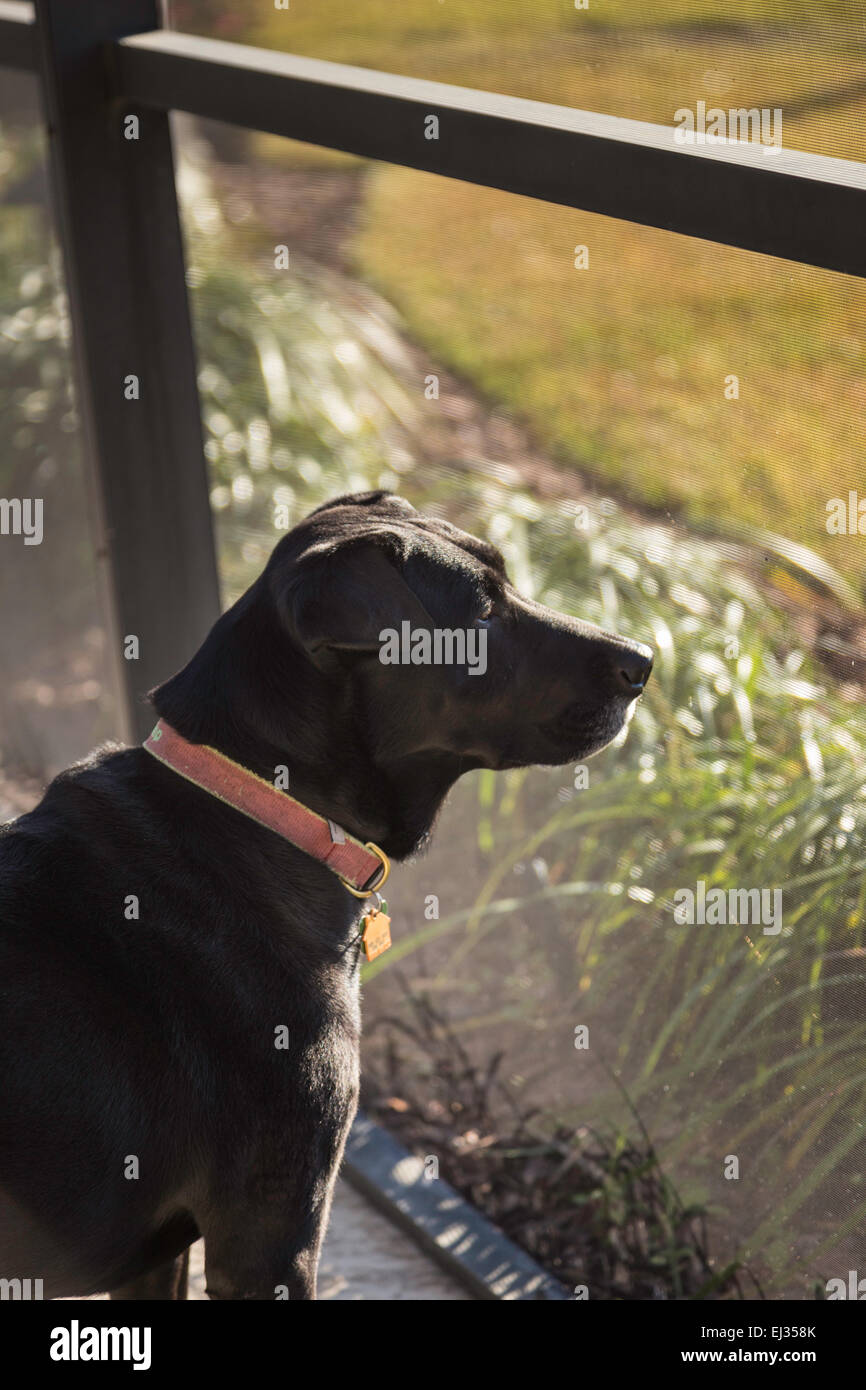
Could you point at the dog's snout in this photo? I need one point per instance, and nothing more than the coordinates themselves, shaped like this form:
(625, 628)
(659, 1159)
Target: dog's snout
(633, 668)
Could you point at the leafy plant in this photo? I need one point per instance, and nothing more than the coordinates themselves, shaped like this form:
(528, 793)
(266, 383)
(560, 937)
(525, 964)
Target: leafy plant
(741, 768)
(596, 1209)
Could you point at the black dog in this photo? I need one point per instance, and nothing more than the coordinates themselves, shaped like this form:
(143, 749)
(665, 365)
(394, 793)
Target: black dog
(144, 1101)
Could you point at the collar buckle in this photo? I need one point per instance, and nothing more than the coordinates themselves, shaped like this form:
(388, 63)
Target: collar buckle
(374, 887)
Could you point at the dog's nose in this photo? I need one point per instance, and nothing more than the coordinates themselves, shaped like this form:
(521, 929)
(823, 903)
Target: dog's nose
(634, 667)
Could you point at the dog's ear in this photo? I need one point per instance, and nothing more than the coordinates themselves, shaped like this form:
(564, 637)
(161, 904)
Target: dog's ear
(341, 598)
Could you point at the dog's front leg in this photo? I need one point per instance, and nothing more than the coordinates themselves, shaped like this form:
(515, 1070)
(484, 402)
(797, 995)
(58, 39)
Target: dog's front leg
(266, 1244)
(263, 1233)
(252, 1255)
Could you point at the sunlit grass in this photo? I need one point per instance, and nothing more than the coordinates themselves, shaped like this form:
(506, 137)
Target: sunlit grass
(624, 369)
(620, 369)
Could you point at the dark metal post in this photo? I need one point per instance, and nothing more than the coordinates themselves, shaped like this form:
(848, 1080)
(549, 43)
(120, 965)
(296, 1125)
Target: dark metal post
(115, 200)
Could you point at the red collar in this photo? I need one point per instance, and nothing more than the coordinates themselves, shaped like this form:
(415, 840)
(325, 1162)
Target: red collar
(356, 865)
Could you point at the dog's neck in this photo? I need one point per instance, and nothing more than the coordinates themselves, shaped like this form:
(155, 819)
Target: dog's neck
(248, 694)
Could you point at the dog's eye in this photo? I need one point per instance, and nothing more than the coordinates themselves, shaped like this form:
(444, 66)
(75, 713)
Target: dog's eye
(485, 619)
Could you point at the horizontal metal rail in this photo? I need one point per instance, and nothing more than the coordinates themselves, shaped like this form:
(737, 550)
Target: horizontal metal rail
(779, 202)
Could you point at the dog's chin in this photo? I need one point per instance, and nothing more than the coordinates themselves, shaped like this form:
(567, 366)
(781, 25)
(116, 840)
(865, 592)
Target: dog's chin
(580, 732)
(577, 734)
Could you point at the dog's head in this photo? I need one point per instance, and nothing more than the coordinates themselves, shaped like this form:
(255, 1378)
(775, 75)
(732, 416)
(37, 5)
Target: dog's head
(415, 627)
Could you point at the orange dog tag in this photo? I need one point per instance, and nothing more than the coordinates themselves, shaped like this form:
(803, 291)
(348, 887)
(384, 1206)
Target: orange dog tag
(377, 933)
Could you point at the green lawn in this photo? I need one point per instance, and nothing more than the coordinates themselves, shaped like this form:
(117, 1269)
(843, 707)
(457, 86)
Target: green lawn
(620, 368)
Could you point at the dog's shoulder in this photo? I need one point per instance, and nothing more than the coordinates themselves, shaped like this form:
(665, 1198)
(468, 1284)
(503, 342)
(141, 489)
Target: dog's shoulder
(79, 808)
